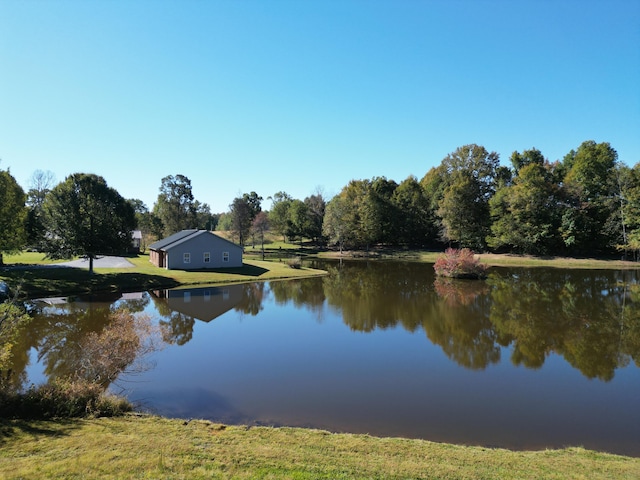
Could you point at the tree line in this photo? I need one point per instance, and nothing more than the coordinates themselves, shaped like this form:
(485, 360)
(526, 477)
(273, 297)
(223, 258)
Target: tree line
(588, 203)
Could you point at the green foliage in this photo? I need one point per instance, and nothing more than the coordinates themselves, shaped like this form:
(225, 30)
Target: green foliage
(525, 215)
(13, 214)
(86, 217)
(175, 205)
(464, 214)
(12, 320)
(279, 214)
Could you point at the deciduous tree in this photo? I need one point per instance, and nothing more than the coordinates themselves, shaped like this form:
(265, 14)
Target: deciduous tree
(12, 215)
(86, 217)
(175, 204)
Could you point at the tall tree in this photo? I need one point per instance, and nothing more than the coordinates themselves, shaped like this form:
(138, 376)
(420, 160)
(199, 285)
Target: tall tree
(12, 215)
(279, 213)
(316, 206)
(260, 225)
(240, 211)
(254, 201)
(629, 205)
(86, 217)
(526, 215)
(175, 204)
(417, 226)
(299, 222)
(40, 184)
(337, 222)
(591, 219)
(465, 217)
(468, 174)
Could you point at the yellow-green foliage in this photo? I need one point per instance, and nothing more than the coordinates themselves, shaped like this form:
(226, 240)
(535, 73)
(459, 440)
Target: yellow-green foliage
(151, 447)
(11, 319)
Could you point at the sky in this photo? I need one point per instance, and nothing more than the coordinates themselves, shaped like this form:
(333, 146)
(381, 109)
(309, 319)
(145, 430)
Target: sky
(304, 96)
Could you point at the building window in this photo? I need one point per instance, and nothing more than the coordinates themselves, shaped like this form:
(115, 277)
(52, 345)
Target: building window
(186, 258)
(207, 257)
(187, 297)
(225, 256)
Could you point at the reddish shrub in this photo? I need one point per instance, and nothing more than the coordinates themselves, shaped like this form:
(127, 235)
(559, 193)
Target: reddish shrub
(459, 264)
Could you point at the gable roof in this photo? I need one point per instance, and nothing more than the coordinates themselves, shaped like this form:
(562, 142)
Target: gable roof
(161, 244)
(183, 236)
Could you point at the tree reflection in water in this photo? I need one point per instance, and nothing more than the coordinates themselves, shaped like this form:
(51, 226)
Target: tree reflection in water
(590, 318)
(90, 338)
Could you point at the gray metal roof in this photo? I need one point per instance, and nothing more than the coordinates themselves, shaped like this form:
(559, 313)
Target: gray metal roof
(161, 244)
(183, 236)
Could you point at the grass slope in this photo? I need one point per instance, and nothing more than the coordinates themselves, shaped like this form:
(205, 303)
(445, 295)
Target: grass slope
(153, 447)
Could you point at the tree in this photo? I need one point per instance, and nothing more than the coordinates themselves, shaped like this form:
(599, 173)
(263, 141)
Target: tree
(86, 217)
(240, 212)
(336, 226)
(526, 214)
(279, 213)
(412, 205)
(260, 225)
(465, 217)
(148, 222)
(316, 206)
(629, 204)
(205, 220)
(299, 222)
(469, 174)
(254, 202)
(12, 215)
(40, 185)
(175, 204)
(591, 220)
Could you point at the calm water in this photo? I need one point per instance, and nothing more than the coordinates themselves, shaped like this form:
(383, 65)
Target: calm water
(530, 358)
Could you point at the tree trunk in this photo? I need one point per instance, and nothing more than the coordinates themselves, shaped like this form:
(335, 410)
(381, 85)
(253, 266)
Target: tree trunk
(91, 264)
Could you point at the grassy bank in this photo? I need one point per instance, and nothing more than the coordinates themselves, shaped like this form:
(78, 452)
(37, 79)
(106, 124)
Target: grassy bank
(491, 259)
(25, 271)
(153, 447)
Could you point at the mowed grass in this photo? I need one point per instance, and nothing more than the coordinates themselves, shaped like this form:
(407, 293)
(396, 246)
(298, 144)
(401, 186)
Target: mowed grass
(35, 281)
(153, 447)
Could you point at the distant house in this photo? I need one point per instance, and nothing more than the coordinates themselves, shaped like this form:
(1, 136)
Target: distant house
(136, 241)
(195, 250)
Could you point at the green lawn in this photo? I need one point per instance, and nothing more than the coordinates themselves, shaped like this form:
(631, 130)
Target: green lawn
(38, 282)
(153, 447)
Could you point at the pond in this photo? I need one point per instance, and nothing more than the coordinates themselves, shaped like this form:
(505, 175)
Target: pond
(530, 358)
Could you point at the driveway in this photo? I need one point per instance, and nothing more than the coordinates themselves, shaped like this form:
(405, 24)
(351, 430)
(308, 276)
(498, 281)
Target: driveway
(100, 262)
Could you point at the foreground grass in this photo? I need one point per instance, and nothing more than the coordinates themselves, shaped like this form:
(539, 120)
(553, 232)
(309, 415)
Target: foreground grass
(35, 281)
(153, 447)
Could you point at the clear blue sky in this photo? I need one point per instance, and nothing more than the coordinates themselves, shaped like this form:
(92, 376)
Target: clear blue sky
(255, 95)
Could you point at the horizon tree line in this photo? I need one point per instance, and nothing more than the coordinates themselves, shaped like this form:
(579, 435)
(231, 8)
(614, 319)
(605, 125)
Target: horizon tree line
(588, 203)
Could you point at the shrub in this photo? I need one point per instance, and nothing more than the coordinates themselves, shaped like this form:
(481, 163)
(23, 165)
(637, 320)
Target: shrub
(62, 399)
(295, 262)
(459, 264)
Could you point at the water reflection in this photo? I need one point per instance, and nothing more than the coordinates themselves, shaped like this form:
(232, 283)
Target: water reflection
(377, 347)
(180, 308)
(70, 336)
